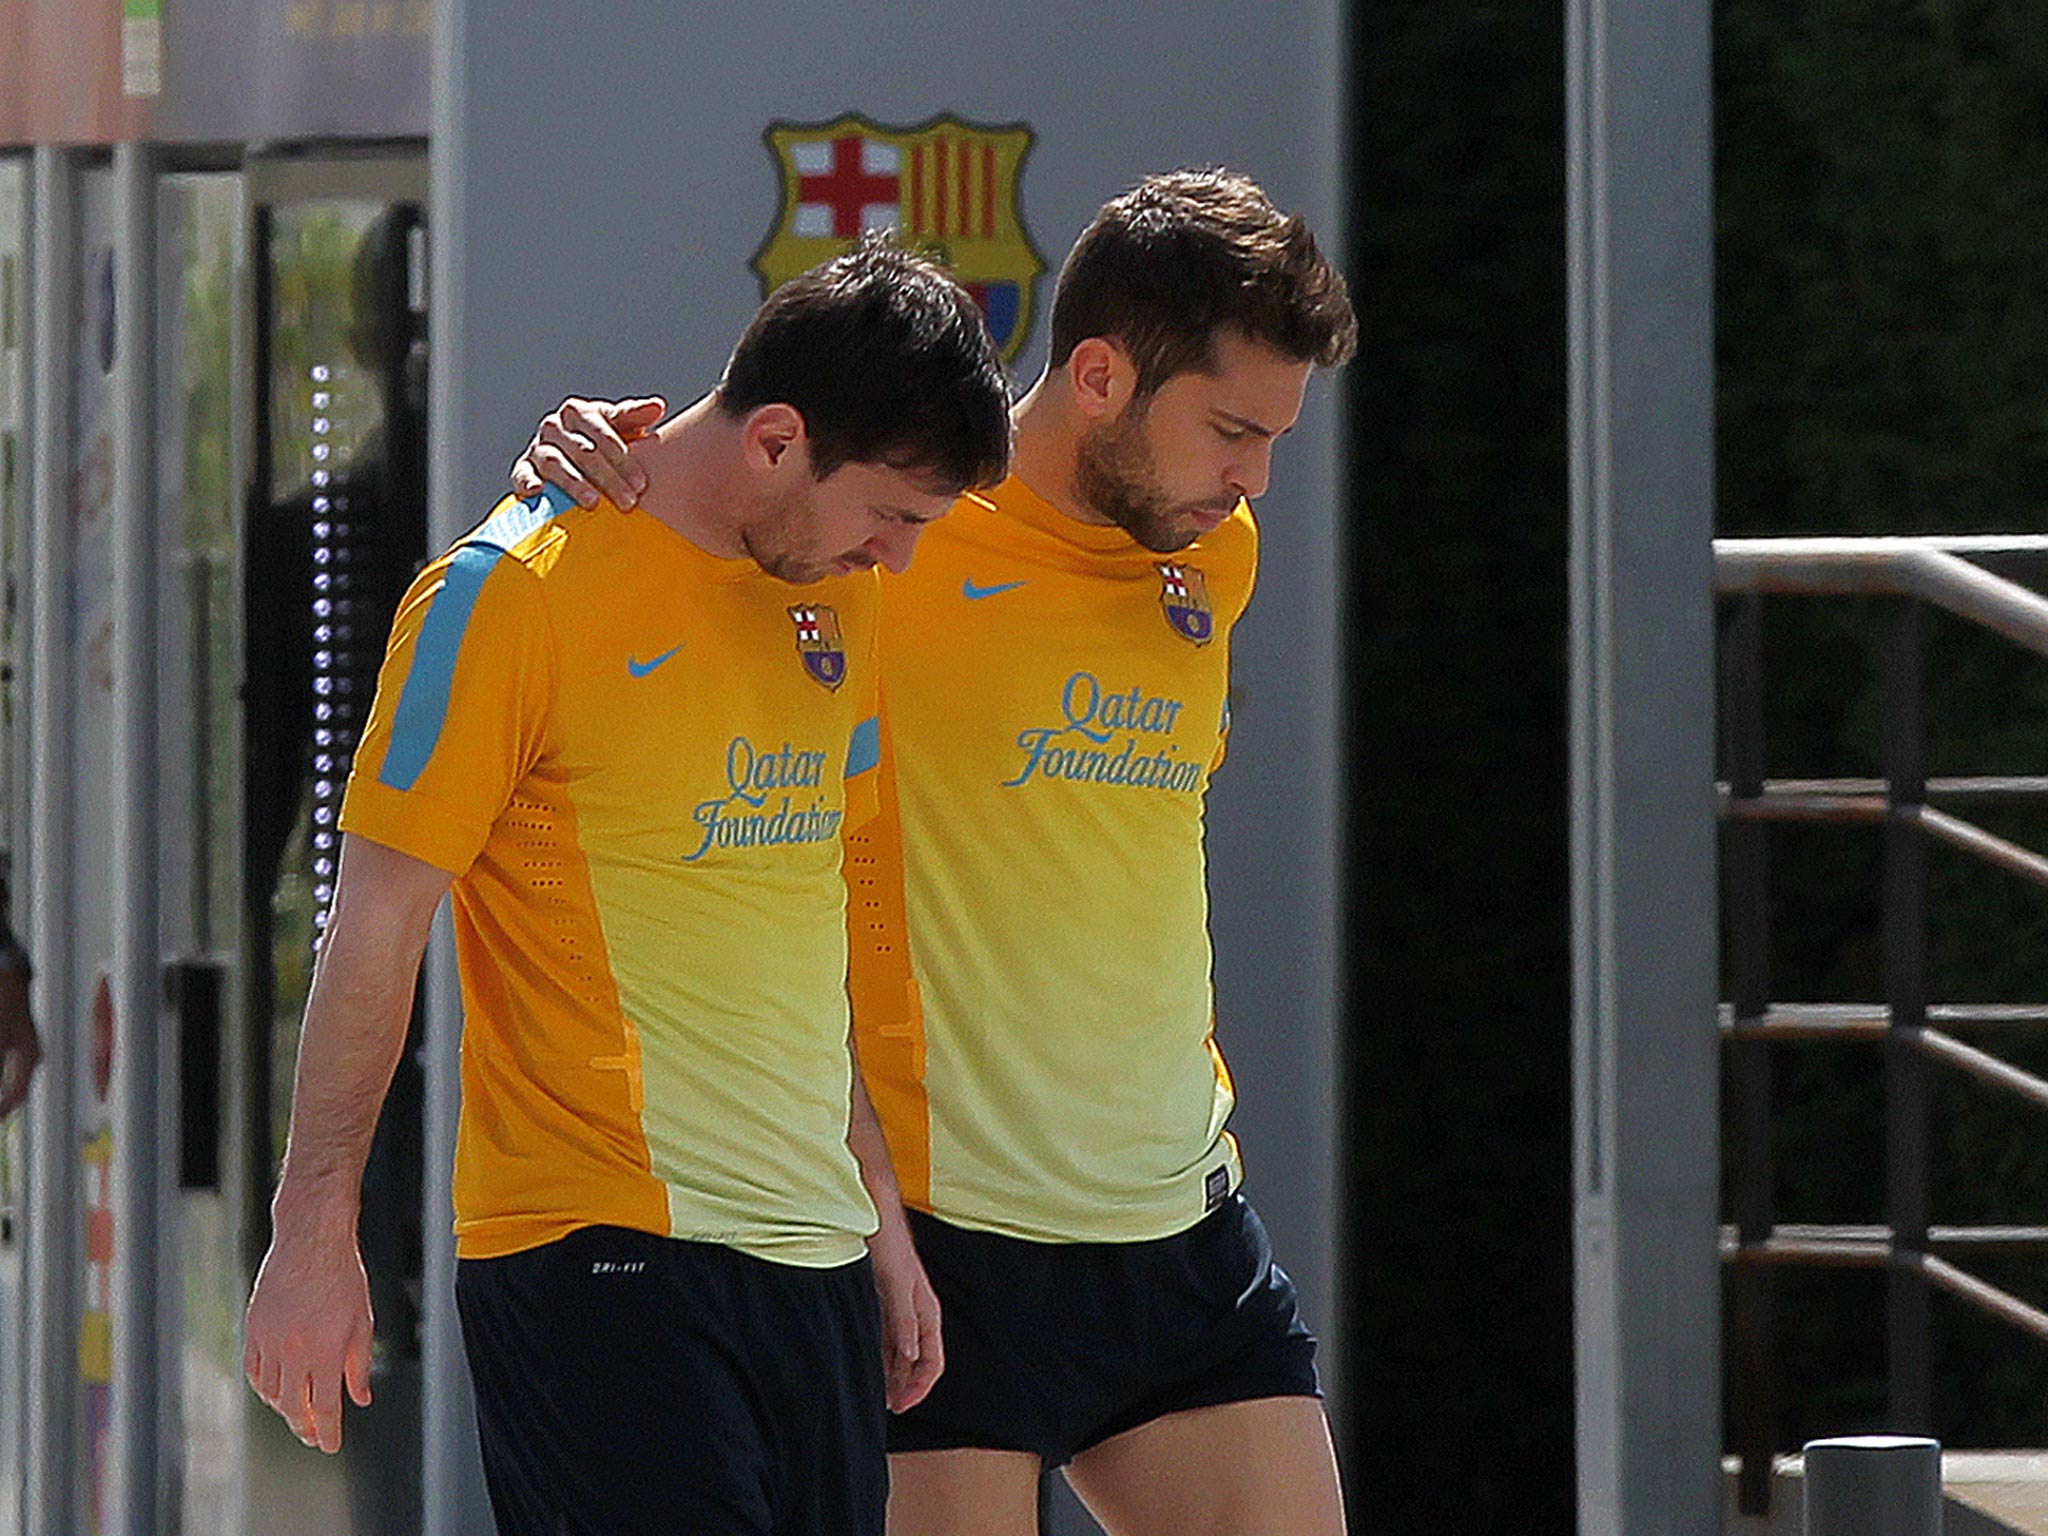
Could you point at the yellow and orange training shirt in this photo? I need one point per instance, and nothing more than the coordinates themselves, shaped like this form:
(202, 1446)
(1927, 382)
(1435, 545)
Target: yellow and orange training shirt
(639, 762)
(1031, 962)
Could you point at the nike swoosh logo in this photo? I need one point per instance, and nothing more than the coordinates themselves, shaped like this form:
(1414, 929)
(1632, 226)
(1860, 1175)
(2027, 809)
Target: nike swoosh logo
(975, 594)
(642, 668)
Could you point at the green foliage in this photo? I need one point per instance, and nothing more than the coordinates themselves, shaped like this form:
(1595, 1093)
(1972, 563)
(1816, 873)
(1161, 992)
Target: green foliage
(315, 248)
(1883, 341)
(208, 297)
(1882, 237)
(209, 214)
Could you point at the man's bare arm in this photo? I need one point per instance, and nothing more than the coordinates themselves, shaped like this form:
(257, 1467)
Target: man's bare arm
(912, 1356)
(309, 1322)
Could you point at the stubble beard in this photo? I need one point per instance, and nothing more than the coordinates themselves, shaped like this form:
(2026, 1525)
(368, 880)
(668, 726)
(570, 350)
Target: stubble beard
(1117, 475)
(774, 545)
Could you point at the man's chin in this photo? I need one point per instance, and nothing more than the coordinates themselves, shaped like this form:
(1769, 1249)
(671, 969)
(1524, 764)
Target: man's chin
(798, 573)
(1171, 534)
(804, 573)
(1166, 541)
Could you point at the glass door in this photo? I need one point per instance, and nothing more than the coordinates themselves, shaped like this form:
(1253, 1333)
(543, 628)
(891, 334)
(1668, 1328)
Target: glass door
(202, 468)
(336, 528)
(291, 476)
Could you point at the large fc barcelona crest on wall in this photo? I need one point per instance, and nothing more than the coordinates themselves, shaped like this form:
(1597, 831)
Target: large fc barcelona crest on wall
(945, 184)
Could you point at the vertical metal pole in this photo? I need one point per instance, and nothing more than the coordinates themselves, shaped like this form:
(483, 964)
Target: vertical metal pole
(1645, 1051)
(453, 1499)
(139, 1105)
(1873, 1485)
(18, 302)
(245, 388)
(52, 1239)
(258, 1134)
(1745, 885)
(1905, 1069)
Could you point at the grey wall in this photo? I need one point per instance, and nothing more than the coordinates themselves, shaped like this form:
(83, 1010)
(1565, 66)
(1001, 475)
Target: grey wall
(255, 69)
(600, 185)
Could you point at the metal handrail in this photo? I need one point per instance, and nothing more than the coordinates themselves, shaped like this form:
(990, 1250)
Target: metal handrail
(1876, 1232)
(1921, 568)
(1988, 846)
(1804, 805)
(1993, 786)
(1801, 805)
(1942, 1047)
(1937, 572)
(1822, 1017)
(1861, 1254)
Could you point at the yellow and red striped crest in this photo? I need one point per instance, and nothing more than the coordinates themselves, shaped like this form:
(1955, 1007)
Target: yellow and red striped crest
(946, 185)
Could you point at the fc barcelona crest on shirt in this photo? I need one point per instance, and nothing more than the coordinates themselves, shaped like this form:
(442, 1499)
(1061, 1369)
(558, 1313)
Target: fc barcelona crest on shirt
(1184, 594)
(819, 643)
(945, 184)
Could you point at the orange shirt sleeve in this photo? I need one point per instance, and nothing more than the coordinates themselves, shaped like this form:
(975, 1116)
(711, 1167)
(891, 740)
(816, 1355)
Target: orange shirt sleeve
(461, 709)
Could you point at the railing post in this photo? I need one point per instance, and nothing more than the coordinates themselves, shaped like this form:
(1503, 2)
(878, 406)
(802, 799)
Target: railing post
(1745, 903)
(1873, 1485)
(1905, 1068)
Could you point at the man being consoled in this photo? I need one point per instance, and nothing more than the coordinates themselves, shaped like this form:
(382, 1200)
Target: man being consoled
(632, 744)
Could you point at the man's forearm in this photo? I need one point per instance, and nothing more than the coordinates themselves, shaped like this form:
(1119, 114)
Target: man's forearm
(355, 1028)
(871, 1150)
(348, 1050)
(309, 1325)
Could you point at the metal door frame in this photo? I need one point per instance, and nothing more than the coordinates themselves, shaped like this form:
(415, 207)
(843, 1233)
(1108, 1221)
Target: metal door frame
(183, 923)
(16, 171)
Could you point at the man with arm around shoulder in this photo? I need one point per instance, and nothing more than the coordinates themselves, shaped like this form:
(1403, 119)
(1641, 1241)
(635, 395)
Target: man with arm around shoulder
(1031, 976)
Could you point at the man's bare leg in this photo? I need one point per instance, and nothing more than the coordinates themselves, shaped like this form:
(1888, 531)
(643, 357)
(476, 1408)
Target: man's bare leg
(963, 1493)
(1262, 1468)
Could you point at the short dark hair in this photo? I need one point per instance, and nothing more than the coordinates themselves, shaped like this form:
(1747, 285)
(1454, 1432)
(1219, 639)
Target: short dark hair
(1185, 254)
(888, 361)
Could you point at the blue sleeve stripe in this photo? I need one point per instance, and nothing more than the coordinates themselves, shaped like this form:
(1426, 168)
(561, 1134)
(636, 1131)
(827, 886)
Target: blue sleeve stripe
(423, 702)
(514, 520)
(865, 750)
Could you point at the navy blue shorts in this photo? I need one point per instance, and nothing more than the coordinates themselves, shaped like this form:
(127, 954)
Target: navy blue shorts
(1053, 1348)
(628, 1383)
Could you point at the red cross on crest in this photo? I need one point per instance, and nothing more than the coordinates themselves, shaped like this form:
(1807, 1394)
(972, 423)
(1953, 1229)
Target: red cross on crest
(946, 185)
(850, 188)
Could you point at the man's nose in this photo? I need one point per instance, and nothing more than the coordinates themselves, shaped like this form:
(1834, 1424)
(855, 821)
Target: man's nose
(894, 547)
(1250, 474)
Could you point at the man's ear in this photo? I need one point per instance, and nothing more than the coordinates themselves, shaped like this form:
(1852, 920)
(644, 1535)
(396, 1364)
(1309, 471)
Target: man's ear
(1102, 377)
(771, 434)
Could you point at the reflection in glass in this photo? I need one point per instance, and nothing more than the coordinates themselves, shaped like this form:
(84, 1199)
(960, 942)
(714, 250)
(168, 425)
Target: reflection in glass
(200, 221)
(337, 535)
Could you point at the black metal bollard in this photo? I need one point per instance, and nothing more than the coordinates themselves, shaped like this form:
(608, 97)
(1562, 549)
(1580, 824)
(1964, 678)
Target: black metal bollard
(1873, 1485)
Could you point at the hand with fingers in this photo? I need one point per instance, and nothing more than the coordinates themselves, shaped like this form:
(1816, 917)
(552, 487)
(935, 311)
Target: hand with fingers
(584, 447)
(913, 1355)
(308, 1331)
